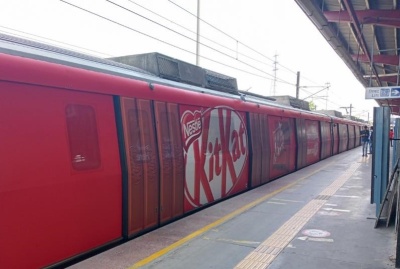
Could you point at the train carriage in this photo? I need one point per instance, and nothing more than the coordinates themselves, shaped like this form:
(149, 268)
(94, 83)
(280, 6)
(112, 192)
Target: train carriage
(97, 152)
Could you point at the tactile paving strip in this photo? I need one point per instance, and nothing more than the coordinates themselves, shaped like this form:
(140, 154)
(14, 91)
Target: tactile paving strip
(268, 250)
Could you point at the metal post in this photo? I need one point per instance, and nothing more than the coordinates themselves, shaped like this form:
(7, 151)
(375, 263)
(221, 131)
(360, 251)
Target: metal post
(327, 95)
(397, 263)
(351, 107)
(398, 72)
(275, 69)
(372, 61)
(298, 85)
(198, 35)
(380, 156)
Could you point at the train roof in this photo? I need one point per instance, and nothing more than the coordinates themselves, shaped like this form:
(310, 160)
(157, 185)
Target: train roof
(35, 50)
(40, 51)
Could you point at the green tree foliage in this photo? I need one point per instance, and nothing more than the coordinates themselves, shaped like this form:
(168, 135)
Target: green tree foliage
(312, 106)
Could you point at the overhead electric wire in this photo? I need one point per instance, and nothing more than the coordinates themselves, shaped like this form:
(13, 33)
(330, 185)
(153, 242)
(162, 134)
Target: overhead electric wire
(233, 38)
(49, 39)
(331, 92)
(185, 36)
(162, 41)
(170, 29)
(329, 101)
(220, 31)
(232, 67)
(302, 77)
(238, 40)
(202, 36)
(316, 84)
(227, 55)
(295, 72)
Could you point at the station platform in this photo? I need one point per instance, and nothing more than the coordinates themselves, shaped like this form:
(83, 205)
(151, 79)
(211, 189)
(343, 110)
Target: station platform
(318, 217)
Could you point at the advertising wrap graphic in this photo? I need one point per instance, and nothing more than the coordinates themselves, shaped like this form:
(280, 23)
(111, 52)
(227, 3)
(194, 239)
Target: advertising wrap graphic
(280, 148)
(312, 140)
(215, 152)
(279, 142)
(191, 124)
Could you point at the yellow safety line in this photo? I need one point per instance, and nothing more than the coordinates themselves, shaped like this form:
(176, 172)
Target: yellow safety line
(208, 227)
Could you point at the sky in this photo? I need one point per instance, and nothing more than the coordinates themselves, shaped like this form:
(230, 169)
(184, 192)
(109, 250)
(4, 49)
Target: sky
(261, 43)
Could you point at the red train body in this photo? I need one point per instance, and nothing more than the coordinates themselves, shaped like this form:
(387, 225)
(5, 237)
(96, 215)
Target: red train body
(90, 158)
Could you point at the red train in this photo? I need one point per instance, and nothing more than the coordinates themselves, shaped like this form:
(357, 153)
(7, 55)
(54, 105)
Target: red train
(95, 152)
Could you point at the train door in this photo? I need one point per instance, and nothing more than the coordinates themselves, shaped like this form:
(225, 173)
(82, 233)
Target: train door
(260, 150)
(352, 136)
(282, 145)
(256, 149)
(358, 136)
(266, 150)
(171, 160)
(301, 141)
(326, 140)
(308, 142)
(141, 183)
(154, 164)
(313, 141)
(343, 137)
(335, 135)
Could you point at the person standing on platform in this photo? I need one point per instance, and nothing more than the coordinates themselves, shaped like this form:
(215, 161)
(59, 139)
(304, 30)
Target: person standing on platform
(371, 137)
(391, 136)
(364, 140)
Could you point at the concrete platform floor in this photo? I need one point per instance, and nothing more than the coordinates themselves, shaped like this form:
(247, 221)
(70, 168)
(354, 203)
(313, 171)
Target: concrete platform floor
(318, 217)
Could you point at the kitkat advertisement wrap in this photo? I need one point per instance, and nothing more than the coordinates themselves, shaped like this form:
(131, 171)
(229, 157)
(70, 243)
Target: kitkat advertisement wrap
(215, 154)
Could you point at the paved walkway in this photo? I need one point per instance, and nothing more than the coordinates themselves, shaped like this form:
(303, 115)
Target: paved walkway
(318, 217)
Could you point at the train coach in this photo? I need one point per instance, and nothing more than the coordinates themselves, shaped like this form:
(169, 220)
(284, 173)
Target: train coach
(95, 152)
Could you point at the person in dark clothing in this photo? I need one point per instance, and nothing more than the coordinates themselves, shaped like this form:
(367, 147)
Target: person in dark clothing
(391, 136)
(364, 140)
(371, 137)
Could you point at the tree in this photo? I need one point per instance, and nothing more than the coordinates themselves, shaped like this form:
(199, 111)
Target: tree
(312, 106)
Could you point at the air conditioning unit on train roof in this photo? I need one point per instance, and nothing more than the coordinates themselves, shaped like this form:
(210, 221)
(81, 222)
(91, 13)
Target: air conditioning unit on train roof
(331, 113)
(173, 69)
(166, 67)
(292, 102)
(350, 117)
(220, 82)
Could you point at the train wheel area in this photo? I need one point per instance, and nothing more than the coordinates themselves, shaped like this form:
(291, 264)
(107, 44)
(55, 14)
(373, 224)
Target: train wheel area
(317, 217)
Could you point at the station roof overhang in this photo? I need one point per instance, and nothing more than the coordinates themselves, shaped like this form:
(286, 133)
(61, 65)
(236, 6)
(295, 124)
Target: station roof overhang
(366, 36)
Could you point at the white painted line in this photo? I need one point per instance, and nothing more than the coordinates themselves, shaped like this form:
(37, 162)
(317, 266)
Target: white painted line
(306, 238)
(330, 213)
(284, 200)
(328, 240)
(347, 196)
(334, 209)
(269, 202)
(354, 187)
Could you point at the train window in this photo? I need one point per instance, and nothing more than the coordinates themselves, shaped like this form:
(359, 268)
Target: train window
(83, 137)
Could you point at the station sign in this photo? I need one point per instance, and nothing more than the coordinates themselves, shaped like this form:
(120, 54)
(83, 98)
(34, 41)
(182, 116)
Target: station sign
(382, 92)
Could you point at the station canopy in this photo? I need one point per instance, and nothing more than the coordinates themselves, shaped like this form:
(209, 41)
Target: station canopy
(366, 35)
